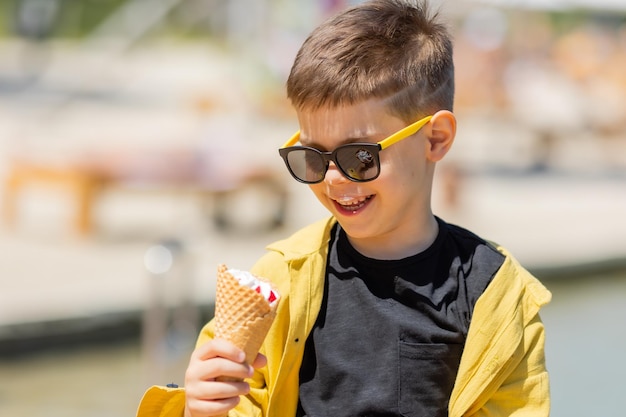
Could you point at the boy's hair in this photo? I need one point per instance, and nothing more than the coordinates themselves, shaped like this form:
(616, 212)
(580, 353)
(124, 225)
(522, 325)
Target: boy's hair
(385, 49)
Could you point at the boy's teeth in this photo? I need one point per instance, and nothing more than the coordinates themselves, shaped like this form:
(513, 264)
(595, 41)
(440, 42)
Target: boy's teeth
(352, 202)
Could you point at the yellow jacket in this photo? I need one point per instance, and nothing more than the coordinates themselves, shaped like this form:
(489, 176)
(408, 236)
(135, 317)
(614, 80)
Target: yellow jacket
(502, 370)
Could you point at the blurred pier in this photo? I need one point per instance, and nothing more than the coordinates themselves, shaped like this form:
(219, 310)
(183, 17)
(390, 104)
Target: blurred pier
(563, 219)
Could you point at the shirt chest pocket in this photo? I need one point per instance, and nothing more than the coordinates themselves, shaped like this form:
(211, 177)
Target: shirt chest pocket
(427, 373)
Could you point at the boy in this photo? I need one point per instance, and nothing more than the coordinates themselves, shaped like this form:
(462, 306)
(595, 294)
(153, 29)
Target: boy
(386, 309)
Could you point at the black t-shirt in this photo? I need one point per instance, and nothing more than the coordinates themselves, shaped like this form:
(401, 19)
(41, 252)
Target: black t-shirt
(389, 336)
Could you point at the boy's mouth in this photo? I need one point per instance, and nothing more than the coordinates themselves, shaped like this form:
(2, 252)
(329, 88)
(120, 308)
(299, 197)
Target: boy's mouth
(352, 204)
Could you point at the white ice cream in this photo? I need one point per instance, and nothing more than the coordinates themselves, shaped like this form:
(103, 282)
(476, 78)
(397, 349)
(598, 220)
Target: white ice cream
(247, 279)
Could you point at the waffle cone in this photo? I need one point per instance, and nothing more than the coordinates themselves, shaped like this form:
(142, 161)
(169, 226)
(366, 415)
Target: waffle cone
(242, 315)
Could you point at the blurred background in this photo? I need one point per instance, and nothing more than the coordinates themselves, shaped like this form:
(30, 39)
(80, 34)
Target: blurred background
(138, 151)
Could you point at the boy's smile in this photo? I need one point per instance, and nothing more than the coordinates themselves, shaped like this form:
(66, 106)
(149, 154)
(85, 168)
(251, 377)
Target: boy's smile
(351, 205)
(390, 216)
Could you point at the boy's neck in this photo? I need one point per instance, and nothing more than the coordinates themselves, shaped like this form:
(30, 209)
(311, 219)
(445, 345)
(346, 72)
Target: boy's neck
(401, 245)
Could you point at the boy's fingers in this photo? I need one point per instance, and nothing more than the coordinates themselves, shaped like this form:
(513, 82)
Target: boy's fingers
(217, 367)
(219, 348)
(217, 391)
(211, 408)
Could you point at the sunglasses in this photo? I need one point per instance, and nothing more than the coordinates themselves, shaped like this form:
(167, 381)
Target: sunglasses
(358, 162)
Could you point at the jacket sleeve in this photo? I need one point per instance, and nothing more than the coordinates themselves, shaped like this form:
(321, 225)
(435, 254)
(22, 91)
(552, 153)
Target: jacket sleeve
(524, 390)
(162, 402)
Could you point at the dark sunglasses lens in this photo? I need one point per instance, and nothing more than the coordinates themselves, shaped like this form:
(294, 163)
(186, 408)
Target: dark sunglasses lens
(307, 165)
(358, 162)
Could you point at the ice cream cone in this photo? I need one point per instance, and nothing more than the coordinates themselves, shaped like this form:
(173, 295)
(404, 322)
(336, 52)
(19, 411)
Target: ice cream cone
(242, 315)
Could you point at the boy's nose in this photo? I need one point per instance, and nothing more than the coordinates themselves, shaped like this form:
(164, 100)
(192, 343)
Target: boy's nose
(334, 175)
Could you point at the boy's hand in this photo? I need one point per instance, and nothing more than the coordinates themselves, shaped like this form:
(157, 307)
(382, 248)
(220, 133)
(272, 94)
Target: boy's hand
(207, 397)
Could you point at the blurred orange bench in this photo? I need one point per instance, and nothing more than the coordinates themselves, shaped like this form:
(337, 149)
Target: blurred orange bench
(157, 169)
(83, 185)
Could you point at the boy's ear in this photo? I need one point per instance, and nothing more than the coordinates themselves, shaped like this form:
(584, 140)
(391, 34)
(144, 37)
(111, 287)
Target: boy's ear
(440, 135)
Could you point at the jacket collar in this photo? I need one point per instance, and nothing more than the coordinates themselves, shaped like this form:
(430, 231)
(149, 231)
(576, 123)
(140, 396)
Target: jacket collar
(306, 241)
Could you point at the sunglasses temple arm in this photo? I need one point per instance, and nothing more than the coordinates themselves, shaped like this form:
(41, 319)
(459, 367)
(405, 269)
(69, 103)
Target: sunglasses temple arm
(404, 133)
(293, 140)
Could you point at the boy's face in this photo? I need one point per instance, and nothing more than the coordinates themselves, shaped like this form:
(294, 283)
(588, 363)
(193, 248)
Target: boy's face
(391, 211)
